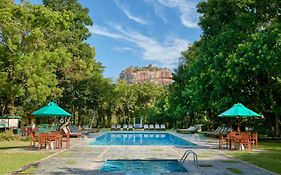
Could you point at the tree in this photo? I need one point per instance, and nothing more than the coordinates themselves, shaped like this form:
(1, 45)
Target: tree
(27, 65)
(235, 60)
(77, 78)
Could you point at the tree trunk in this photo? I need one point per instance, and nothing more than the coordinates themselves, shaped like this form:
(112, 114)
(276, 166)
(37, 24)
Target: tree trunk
(79, 120)
(11, 106)
(277, 132)
(93, 119)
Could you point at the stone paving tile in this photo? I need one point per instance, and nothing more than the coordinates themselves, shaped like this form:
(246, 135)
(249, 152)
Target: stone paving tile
(85, 159)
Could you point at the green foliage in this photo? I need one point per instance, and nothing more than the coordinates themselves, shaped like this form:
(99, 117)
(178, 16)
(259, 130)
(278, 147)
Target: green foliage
(7, 136)
(27, 66)
(44, 57)
(237, 59)
(135, 100)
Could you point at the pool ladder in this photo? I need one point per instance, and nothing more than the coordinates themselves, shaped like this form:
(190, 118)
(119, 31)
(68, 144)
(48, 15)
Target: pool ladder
(185, 155)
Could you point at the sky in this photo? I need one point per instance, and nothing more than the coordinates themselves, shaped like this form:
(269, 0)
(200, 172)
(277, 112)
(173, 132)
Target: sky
(141, 32)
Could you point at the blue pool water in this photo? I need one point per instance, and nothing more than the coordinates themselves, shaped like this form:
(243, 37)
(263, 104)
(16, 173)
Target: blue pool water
(142, 167)
(143, 138)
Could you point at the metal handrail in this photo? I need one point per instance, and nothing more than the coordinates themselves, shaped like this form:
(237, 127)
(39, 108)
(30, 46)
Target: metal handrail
(185, 155)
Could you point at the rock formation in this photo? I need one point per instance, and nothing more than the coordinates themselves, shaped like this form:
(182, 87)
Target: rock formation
(160, 76)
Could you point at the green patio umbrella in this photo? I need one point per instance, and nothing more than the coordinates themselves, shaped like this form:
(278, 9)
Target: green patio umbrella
(239, 111)
(52, 109)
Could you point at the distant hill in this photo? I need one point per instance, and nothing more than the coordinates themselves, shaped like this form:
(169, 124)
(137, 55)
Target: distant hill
(160, 76)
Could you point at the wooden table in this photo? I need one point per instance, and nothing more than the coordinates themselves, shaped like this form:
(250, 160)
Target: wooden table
(49, 138)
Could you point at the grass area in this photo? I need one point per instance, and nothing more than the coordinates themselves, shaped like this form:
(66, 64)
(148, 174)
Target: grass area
(268, 158)
(86, 149)
(71, 162)
(235, 170)
(156, 149)
(64, 155)
(206, 155)
(11, 160)
(4, 145)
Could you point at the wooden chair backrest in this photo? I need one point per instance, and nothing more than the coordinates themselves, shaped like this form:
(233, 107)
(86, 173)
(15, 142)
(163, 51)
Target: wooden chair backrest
(245, 136)
(43, 135)
(29, 130)
(255, 136)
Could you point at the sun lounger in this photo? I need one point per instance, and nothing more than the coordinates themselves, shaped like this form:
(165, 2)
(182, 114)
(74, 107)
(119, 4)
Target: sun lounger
(151, 127)
(118, 127)
(145, 127)
(138, 126)
(191, 129)
(157, 127)
(216, 134)
(71, 134)
(74, 129)
(125, 127)
(217, 131)
(220, 130)
(113, 127)
(86, 127)
(227, 130)
(130, 127)
(162, 127)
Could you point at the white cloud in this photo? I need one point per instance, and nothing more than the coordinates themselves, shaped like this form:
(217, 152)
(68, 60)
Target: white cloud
(103, 31)
(188, 14)
(165, 53)
(124, 49)
(135, 18)
(131, 16)
(158, 9)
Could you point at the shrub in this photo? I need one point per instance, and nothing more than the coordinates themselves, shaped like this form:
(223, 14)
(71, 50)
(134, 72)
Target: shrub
(7, 136)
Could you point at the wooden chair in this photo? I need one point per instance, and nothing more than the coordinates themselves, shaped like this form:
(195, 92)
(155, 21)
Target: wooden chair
(231, 139)
(32, 135)
(254, 139)
(23, 131)
(222, 141)
(28, 130)
(56, 138)
(245, 140)
(43, 139)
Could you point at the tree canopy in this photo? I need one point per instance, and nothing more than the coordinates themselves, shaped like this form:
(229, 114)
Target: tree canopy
(237, 59)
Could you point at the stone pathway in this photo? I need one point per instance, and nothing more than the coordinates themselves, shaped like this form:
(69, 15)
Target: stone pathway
(85, 159)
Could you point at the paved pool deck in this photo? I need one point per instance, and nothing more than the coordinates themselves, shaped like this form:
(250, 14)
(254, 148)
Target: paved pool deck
(86, 159)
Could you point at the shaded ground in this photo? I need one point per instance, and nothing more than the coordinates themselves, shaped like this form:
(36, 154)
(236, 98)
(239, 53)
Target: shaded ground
(87, 159)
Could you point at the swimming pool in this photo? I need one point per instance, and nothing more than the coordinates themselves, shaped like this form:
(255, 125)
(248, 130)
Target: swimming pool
(140, 138)
(142, 167)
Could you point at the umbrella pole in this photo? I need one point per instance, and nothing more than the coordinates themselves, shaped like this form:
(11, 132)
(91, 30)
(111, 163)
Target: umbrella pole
(238, 125)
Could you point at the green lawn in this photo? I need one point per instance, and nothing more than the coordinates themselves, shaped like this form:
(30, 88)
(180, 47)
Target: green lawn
(269, 158)
(10, 161)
